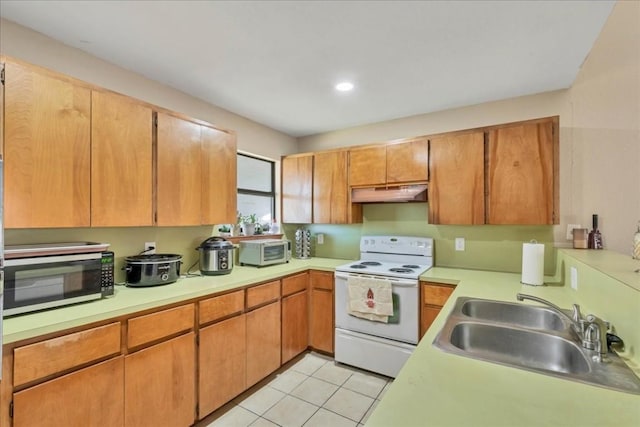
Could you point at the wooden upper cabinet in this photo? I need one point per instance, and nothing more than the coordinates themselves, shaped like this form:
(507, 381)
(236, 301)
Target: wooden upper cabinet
(47, 150)
(179, 171)
(408, 161)
(219, 177)
(368, 165)
(121, 161)
(456, 182)
(331, 203)
(523, 173)
(297, 186)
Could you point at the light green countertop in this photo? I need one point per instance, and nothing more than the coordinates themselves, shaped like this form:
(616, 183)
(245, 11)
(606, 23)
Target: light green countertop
(130, 300)
(440, 389)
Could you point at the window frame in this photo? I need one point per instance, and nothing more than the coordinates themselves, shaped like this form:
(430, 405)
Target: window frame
(271, 193)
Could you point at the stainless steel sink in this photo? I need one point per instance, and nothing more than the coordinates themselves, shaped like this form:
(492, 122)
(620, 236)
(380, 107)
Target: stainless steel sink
(531, 338)
(512, 346)
(526, 316)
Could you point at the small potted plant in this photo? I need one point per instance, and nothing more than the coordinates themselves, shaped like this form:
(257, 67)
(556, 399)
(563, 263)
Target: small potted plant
(249, 224)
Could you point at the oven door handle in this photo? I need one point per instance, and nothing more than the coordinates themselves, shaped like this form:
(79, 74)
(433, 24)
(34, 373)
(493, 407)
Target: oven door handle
(408, 283)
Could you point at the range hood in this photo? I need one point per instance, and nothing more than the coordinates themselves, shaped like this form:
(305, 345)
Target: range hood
(402, 193)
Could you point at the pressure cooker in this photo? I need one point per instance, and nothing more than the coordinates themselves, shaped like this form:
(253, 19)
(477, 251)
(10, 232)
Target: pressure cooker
(152, 270)
(216, 256)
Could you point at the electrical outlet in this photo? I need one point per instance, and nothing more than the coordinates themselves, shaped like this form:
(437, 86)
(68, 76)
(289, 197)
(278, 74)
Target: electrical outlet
(459, 243)
(320, 238)
(574, 278)
(148, 246)
(570, 228)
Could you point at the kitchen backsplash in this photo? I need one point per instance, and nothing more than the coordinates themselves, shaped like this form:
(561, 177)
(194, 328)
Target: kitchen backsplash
(487, 247)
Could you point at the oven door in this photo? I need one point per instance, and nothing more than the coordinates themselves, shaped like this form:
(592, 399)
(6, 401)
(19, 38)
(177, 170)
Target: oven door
(44, 282)
(402, 326)
(274, 253)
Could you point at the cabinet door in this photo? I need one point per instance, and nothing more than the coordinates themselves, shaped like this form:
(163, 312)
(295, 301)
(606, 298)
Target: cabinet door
(456, 181)
(521, 173)
(160, 384)
(263, 342)
(92, 396)
(297, 186)
(179, 181)
(433, 297)
(368, 166)
(222, 356)
(321, 318)
(219, 177)
(47, 151)
(408, 161)
(330, 189)
(295, 325)
(121, 161)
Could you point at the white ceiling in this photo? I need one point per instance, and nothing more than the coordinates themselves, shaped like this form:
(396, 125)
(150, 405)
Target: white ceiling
(276, 62)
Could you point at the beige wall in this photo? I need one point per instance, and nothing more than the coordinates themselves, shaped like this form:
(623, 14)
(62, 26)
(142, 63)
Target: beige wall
(599, 131)
(36, 48)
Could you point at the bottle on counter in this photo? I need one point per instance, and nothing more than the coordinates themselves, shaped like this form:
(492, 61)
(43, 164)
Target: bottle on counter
(636, 244)
(595, 238)
(275, 227)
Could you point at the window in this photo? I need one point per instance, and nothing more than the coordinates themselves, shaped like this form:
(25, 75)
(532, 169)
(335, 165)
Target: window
(256, 188)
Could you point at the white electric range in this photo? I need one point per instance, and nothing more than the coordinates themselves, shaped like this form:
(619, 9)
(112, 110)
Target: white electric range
(373, 345)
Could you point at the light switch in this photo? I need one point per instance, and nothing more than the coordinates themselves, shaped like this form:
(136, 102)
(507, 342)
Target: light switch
(320, 238)
(574, 278)
(459, 243)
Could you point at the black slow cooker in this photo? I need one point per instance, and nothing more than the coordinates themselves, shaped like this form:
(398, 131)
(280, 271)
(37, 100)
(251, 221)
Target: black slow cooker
(152, 270)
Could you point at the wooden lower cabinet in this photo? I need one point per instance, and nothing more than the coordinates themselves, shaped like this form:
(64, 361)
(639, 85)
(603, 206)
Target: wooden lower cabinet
(432, 297)
(263, 342)
(222, 357)
(92, 396)
(321, 320)
(295, 325)
(160, 384)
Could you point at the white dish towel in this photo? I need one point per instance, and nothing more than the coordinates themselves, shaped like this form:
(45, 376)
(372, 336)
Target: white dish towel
(370, 298)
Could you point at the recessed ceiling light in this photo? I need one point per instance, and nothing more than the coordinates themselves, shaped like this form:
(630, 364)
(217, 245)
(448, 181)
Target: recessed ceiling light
(344, 86)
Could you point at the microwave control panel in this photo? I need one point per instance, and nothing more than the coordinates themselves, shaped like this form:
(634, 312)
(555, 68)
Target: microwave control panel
(107, 280)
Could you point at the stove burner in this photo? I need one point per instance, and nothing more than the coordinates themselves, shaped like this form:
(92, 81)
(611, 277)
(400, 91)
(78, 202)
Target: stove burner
(358, 266)
(401, 270)
(411, 266)
(370, 263)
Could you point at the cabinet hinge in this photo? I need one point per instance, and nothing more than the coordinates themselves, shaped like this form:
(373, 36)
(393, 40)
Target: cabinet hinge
(11, 409)
(155, 121)
(2, 76)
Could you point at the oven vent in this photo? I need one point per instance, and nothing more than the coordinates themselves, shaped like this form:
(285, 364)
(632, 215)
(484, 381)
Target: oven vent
(402, 193)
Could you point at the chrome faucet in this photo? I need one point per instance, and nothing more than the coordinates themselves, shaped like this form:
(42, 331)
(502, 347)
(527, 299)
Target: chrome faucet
(576, 318)
(592, 330)
(595, 337)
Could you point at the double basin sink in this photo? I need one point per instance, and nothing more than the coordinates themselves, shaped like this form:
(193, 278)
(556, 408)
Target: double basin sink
(533, 338)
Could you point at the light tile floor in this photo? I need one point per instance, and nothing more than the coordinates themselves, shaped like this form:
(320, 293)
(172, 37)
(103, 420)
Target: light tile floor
(311, 392)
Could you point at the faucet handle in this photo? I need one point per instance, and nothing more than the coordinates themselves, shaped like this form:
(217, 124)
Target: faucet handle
(577, 316)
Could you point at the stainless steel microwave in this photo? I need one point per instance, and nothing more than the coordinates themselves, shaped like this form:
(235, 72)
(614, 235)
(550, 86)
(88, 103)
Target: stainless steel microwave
(263, 252)
(37, 282)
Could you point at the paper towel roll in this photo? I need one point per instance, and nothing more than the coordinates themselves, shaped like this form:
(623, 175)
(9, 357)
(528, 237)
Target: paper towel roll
(532, 263)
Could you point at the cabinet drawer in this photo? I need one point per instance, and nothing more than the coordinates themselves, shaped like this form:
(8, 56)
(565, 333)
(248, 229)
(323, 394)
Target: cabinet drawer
(155, 326)
(218, 307)
(261, 294)
(45, 358)
(293, 284)
(436, 294)
(322, 280)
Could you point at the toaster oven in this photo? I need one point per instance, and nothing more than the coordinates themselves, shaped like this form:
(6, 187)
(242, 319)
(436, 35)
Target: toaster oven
(263, 252)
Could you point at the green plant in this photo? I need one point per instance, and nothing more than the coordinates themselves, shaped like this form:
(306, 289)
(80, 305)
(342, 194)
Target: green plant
(250, 219)
(239, 219)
